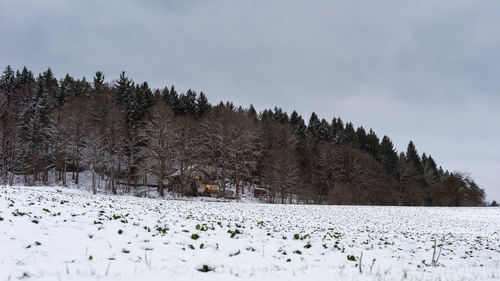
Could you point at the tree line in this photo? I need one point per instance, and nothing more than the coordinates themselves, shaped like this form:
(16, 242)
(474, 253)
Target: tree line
(132, 135)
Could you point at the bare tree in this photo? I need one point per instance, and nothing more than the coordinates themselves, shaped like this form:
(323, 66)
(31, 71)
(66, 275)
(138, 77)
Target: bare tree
(409, 189)
(60, 135)
(158, 151)
(11, 140)
(244, 150)
(186, 146)
(114, 137)
(216, 136)
(3, 135)
(94, 152)
(281, 170)
(74, 123)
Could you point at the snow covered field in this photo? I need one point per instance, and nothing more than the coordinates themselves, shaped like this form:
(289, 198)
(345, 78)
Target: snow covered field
(65, 234)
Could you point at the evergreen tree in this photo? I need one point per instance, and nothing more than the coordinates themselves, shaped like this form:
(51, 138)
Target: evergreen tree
(8, 82)
(143, 100)
(24, 78)
(298, 123)
(338, 131)
(187, 105)
(388, 156)
(266, 115)
(172, 98)
(324, 133)
(98, 82)
(124, 89)
(66, 90)
(314, 126)
(432, 165)
(372, 145)
(252, 113)
(350, 135)
(165, 93)
(126, 96)
(229, 105)
(280, 116)
(362, 138)
(83, 88)
(414, 158)
(202, 105)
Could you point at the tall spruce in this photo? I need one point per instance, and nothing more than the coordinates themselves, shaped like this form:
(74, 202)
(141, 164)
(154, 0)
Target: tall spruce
(388, 156)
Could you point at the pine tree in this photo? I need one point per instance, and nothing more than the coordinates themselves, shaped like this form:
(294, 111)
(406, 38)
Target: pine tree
(187, 105)
(314, 126)
(172, 99)
(124, 89)
(24, 78)
(280, 115)
(252, 113)
(372, 145)
(432, 165)
(414, 158)
(66, 90)
(350, 135)
(338, 135)
(388, 156)
(98, 82)
(8, 82)
(324, 133)
(202, 105)
(298, 123)
(362, 138)
(143, 101)
(126, 99)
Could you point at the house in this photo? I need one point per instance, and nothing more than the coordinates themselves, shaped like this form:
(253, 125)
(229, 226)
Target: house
(205, 187)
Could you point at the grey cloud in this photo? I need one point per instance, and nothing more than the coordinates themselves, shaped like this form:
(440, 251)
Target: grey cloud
(421, 70)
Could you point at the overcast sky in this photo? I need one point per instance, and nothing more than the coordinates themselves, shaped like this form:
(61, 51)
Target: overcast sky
(427, 71)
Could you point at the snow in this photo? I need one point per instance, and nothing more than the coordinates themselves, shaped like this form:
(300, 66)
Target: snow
(54, 233)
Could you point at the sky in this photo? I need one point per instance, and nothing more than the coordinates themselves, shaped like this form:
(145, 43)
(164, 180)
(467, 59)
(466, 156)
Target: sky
(427, 71)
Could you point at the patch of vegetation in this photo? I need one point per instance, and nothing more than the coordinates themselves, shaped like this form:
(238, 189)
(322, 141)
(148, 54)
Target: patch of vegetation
(235, 253)
(234, 232)
(159, 229)
(206, 268)
(18, 213)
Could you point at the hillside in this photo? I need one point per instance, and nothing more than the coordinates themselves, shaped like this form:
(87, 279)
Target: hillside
(127, 134)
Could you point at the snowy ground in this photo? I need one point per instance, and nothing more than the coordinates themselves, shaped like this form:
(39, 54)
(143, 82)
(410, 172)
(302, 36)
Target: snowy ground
(49, 233)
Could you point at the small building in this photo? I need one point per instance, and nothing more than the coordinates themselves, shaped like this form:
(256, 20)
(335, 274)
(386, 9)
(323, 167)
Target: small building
(259, 192)
(206, 187)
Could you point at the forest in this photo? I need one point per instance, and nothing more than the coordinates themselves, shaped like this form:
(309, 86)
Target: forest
(133, 135)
